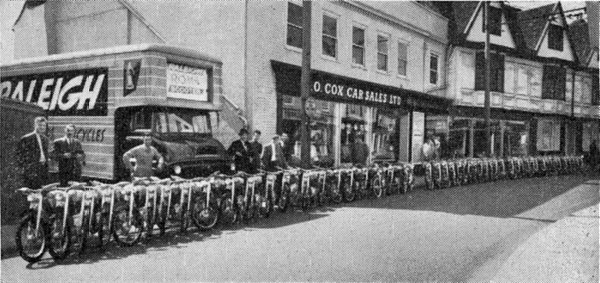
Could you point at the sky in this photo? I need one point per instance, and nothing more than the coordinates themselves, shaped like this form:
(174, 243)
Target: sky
(11, 8)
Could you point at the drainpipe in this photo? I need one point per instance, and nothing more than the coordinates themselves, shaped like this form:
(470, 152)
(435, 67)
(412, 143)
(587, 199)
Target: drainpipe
(247, 104)
(425, 67)
(573, 94)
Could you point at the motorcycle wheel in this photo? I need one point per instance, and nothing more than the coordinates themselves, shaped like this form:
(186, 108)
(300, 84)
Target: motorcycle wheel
(349, 194)
(59, 242)
(228, 211)
(35, 245)
(336, 196)
(205, 217)
(125, 234)
(104, 232)
(377, 188)
(284, 199)
(266, 206)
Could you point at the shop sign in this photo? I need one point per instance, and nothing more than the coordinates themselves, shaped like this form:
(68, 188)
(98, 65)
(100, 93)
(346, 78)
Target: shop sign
(187, 82)
(354, 93)
(70, 93)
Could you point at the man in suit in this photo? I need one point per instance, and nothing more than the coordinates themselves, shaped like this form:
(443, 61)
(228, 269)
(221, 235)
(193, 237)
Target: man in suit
(256, 150)
(241, 151)
(70, 156)
(32, 155)
(272, 155)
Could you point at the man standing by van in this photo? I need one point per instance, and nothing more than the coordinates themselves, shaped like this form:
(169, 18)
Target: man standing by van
(143, 154)
(70, 156)
(32, 155)
(241, 152)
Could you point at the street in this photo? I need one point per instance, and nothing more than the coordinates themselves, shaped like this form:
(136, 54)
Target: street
(458, 234)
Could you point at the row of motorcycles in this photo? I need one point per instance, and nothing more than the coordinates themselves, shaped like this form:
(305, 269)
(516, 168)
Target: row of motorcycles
(63, 220)
(448, 173)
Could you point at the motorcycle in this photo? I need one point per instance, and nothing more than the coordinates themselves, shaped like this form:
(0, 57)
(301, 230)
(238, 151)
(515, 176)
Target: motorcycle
(128, 221)
(252, 197)
(33, 230)
(61, 221)
(273, 179)
(429, 182)
(289, 188)
(205, 209)
(232, 187)
(347, 184)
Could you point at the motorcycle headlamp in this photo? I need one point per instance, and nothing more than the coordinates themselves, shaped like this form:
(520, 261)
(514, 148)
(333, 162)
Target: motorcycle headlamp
(177, 169)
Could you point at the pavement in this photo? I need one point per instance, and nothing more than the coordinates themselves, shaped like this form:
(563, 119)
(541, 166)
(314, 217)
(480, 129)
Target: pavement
(566, 251)
(529, 230)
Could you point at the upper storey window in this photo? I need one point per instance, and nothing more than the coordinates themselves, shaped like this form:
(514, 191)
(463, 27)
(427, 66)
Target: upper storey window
(495, 21)
(555, 38)
(294, 25)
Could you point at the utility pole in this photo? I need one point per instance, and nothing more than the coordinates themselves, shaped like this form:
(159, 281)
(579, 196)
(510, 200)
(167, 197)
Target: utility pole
(486, 102)
(305, 83)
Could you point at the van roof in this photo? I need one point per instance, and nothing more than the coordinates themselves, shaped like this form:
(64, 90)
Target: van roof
(162, 48)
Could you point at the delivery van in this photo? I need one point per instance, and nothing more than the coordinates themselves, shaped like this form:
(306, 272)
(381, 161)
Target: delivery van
(115, 96)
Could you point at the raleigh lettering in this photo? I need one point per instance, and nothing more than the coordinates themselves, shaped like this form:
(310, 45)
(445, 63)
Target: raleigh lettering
(352, 93)
(81, 92)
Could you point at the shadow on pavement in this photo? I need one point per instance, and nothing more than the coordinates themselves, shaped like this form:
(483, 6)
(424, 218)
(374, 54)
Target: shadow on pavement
(504, 198)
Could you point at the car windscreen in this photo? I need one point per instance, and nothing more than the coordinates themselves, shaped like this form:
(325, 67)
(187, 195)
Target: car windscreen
(181, 122)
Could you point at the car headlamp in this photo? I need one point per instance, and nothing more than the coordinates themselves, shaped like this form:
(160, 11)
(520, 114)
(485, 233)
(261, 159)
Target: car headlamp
(177, 169)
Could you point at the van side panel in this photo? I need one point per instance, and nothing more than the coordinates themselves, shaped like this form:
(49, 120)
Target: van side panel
(96, 134)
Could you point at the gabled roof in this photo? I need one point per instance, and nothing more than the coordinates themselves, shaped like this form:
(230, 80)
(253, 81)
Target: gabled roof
(532, 23)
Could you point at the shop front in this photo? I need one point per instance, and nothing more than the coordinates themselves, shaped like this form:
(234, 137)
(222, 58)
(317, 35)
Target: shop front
(345, 111)
(513, 133)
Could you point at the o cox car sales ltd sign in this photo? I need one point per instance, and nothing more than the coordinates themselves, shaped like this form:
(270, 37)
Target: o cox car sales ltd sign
(70, 93)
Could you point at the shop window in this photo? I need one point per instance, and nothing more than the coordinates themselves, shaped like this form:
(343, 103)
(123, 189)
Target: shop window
(495, 19)
(555, 38)
(385, 136)
(553, 82)
(294, 25)
(402, 58)
(548, 135)
(516, 137)
(459, 138)
(358, 46)
(382, 53)
(329, 36)
(433, 68)
(496, 72)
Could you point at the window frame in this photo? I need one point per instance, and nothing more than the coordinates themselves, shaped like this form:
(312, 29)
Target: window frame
(387, 53)
(553, 81)
(437, 70)
(353, 45)
(497, 28)
(288, 24)
(406, 45)
(323, 35)
(555, 40)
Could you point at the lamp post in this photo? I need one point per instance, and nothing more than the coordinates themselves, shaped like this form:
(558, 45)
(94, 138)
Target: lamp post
(305, 83)
(486, 103)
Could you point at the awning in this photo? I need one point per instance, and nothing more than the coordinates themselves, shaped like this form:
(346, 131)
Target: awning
(330, 87)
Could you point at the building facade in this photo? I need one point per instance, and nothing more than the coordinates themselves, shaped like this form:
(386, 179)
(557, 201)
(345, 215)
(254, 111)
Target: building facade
(544, 82)
(378, 67)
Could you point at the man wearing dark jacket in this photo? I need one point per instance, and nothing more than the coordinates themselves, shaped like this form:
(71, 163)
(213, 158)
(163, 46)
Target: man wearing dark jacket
(256, 150)
(32, 155)
(241, 151)
(272, 155)
(70, 156)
